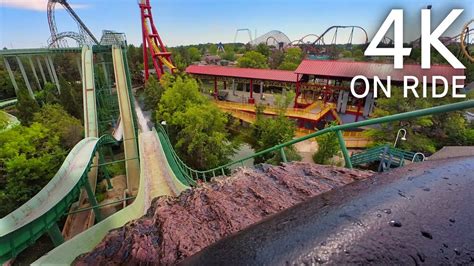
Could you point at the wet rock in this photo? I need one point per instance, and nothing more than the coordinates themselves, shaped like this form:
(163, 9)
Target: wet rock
(176, 228)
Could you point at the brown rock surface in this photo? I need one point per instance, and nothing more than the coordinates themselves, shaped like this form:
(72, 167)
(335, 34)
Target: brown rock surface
(175, 228)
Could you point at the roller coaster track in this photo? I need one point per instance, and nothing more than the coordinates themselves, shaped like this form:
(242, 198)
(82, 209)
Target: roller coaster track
(26, 224)
(336, 28)
(56, 40)
(152, 41)
(464, 38)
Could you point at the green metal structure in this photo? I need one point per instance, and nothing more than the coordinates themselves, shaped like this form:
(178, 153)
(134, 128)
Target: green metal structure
(7, 103)
(388, 156)
(189, 175)
(26, 224)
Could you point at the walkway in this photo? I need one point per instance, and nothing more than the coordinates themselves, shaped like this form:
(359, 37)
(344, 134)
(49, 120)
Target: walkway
(290, 112)
(353, 139)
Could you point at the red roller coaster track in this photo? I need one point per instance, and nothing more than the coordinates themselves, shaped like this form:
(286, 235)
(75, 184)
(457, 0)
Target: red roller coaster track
(153, 44)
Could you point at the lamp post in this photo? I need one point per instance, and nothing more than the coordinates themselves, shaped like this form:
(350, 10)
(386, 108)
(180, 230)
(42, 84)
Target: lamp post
(398, 135)
(163, 123)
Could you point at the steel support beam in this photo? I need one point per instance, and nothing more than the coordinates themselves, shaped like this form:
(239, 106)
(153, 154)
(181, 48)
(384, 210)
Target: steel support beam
(33, 68)
(344, 150)
(79, 67)
(283, 155)
(55, 235)
(233, 87)
(215, 88)
(92, 200)
(50, 72)
(251, 99)
(12, 76)
(43, 76)
(55, 76)
(25, 77)
(104, 170)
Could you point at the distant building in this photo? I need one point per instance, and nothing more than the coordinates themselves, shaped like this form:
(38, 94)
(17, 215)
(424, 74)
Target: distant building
(212, 59)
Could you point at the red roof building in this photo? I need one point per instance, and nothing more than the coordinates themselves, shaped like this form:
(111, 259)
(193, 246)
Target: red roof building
(348, 70)
(245, 73)
(327, 78)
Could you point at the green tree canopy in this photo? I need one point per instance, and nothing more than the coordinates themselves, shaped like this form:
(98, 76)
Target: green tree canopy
(425, 134)
(26, 106)
(29, 158)
(196, 126)
(292, 59)
(270, 131)
(328, 147)
(194, 54)
(252, 59)
(57, 120)
(48, 95)
(263, 49)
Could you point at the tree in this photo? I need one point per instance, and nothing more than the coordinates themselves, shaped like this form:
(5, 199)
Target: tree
(71, 97)
(292, 59)
(425, 134)
(195, 126)
(275, 59)
(57, 120)
(29, 158)
(347, 54)
(49, 94)
(268, 132)
(328, 147)
(194, 54)
(4, 120)
(212, 49)
(6, 87)
(135, 62)
(153, 92)
(229, 52)
(263, 49)
(358, 55)
(252, 59)
(203, 140)
(26, 106)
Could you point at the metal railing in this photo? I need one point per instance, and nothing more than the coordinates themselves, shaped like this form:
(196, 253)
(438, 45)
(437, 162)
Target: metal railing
(190, 175)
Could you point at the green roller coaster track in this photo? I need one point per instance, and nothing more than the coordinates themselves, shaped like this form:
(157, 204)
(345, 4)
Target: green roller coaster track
(16, 233)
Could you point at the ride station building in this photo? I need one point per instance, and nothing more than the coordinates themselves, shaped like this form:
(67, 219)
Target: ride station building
(315, 82)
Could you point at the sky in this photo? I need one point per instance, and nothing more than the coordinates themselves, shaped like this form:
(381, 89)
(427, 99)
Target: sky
(23, 23)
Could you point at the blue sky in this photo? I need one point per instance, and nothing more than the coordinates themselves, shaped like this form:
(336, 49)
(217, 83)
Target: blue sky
(23, 23)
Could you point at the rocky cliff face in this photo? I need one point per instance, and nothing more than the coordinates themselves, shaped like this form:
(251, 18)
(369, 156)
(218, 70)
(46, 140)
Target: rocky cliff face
(175, 228)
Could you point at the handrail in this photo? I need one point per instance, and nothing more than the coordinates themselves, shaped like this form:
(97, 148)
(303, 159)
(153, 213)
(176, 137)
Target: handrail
(196, 174)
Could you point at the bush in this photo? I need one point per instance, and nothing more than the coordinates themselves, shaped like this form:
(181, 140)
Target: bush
(328, 147)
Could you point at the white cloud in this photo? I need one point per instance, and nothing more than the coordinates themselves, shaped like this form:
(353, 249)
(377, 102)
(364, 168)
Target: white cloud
(37, 5)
